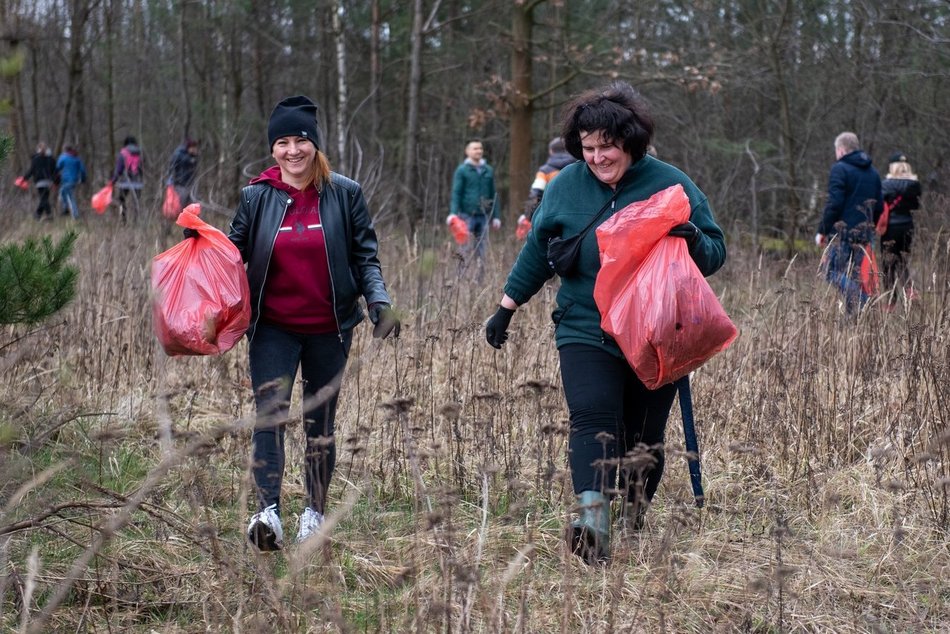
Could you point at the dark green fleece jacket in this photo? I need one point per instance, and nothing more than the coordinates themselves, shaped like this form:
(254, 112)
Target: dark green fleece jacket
(569, 203)
(473, 190)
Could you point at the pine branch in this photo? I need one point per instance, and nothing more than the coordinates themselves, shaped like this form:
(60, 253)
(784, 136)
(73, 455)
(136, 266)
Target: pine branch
(35, 279)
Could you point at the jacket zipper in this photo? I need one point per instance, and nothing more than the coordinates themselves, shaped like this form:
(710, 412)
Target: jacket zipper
(326, 250)
(260, 299)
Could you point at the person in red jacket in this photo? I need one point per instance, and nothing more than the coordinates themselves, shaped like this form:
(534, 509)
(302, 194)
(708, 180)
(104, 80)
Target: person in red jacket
(310, 247)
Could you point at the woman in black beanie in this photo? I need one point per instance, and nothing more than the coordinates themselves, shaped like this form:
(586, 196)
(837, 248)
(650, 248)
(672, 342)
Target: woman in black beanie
(311, 253)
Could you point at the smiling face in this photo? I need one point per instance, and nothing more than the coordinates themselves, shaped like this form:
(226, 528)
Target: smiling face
(607, 161)
(295, 156)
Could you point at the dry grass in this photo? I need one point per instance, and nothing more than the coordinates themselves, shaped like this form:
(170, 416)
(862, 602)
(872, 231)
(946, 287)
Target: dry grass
(824, 441)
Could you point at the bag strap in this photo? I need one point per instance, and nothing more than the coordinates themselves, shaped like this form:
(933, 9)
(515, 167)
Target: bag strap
(599, 214)
(894, 203)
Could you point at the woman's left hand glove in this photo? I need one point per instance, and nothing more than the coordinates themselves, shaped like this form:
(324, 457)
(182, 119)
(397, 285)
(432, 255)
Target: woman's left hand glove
(496, 328)
(384, 319)
(688, 231)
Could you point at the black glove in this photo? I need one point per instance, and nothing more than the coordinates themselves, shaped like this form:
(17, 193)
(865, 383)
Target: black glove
(688, 231)
(190, 233)
(385, 320)
(496, 329)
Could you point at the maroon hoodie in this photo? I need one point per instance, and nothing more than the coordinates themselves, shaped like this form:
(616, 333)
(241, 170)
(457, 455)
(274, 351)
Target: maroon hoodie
(297, 293)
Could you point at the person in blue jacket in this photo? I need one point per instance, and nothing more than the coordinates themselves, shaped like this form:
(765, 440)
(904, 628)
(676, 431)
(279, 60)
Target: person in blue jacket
(847, 222)
(71, 172)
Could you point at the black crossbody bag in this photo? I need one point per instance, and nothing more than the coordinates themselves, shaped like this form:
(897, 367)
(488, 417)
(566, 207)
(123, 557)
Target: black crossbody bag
(563, 252)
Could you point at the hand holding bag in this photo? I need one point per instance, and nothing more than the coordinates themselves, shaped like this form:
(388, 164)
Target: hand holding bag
(652, 298)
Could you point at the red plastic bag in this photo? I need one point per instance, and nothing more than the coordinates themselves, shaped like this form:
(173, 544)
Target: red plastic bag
(881, 227)
(868, 273)
(652, 298)
(524, 226)
(171, 207)
(22, 183)
(102, 199)
(201, 299)
(459, 229)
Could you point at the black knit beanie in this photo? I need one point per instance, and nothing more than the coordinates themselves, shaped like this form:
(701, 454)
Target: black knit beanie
(294, 116)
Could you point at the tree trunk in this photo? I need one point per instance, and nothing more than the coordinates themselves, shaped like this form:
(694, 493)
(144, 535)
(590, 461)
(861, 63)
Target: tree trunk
(77, 27)
(230, 140)
(788, 134)
(182, 74)
(375, 71)
(522, 109)
(341, 93)
(410, 160)
(21, 150)
(110, 76)
(37, 133)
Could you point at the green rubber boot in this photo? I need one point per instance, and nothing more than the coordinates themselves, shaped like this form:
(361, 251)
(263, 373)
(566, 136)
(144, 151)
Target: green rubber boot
(590, 533)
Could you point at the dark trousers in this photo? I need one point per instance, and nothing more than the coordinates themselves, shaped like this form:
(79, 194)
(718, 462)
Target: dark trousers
(474, 252)
(842, 269)
(895, 247)
(129, 199)
(615, 421)
(44, 207)
(275, 355)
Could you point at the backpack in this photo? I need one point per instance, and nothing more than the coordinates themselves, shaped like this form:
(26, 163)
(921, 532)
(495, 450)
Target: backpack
(131, 161)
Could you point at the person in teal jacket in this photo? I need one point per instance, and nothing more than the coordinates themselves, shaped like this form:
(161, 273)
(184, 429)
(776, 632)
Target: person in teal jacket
(473, 198)
(612, 413)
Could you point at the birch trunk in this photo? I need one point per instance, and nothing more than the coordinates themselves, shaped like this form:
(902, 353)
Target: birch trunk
(341, 94)
(410, 171)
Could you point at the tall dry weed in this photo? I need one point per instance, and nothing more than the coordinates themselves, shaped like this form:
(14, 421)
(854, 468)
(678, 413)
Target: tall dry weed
(824, 442)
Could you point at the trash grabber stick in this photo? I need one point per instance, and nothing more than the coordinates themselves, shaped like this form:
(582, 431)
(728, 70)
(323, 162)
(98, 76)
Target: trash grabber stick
(692, 445)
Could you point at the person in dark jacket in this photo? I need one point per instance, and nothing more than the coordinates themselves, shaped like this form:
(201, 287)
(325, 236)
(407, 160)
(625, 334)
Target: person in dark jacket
(901, 190)
(473, 200)
(42, 170)
(612, 412)
(182, 169)
(854, 200)
(311, 253)
(71, 172)
(558, 158)
(127, 177)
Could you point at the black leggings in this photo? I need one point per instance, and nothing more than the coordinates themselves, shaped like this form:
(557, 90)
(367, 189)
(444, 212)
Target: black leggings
(44, 207)
(612, 412)
(275, 356)
(895, 247)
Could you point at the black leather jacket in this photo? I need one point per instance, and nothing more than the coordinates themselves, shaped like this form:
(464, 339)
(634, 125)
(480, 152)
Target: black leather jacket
(350, 240)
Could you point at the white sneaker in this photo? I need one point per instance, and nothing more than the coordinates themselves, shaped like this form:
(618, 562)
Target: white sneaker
(310, 523)
(265, 531)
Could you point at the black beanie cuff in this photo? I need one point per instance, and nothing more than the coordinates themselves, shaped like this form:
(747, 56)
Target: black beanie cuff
(294, 116)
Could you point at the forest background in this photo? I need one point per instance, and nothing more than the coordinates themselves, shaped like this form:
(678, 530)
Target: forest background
(748, 95)
(824, 440)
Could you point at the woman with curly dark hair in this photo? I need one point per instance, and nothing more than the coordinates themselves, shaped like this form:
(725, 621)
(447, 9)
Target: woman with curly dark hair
(615, 419)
